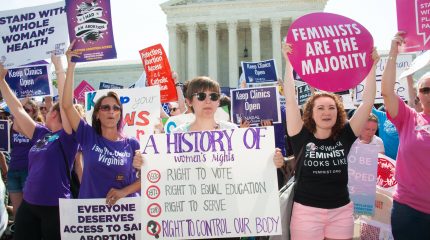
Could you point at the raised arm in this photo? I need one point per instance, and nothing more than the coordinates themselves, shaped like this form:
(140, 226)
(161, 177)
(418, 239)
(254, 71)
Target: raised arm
(389, 77)
(358, 120)
(26, 123)
(61, 78)
(294, 118)
(412, 91)
(67, 100)
(180, 93)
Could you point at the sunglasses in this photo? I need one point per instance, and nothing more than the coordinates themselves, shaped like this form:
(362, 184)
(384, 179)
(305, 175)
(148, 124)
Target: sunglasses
(425, 90)
(42, 108)
(201, 96)
(172, 109)
(107, 107)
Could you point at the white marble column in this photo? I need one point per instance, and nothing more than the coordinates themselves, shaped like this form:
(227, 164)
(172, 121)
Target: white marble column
(255, 33)
(232, 54)
(192, 50)
(276, 44)
(173, 52)
(212, 50)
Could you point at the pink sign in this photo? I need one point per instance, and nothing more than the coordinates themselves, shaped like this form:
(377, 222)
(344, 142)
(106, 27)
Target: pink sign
(413, 17)
(80, 90)
(330, 52)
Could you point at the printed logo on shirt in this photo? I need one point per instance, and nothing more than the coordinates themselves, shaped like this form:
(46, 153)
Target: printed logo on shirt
(119, 178)
(108, 157)
(425, 128)
(42, 143)
(19, 138)
(332, 156)
(389, 127)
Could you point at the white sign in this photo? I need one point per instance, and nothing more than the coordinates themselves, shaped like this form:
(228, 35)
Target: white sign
(93, 219)
(141, 108)
(199, 185)
(401, 87)
(32, 34)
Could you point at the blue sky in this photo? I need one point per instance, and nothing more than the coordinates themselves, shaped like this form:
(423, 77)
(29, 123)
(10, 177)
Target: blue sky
(141, 23)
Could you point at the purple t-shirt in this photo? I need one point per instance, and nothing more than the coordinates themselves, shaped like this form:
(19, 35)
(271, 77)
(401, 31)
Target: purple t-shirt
(47, 179)
(107, 164)
(20, 145)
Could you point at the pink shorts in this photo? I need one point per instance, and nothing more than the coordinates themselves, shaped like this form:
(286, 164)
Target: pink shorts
(319, 223)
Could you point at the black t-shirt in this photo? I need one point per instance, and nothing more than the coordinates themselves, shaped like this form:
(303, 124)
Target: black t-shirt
(324, 174)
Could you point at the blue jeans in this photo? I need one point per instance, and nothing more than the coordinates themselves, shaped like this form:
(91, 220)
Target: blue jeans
(408, 223)
(16, 180)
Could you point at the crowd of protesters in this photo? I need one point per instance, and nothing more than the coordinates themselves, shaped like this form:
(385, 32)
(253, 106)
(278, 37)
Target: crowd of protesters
(51, 139)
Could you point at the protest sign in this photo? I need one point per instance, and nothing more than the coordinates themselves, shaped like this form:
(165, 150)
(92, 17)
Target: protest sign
(81, 89)
(157, 69)
(31, 34)
(417, 64)
(105, 85)
(93, 219)
(90, 23)
(140, 108)
(403, 62)
(386, 175)
(204, 184)
(255, 104)
(29, 81)
(260, 72)
(413, 17)
(330, 52)
(303, 93)
(4, 136)
(362, 168)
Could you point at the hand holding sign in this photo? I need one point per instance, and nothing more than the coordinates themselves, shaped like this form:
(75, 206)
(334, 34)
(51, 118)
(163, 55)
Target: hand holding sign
(332, 51)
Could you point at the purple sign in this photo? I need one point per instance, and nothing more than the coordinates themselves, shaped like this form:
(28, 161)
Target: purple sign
(29, 81)
(255, 105)
(90, 23)
(4, 136)
(105, 85)
(260, 72)
(330, 52)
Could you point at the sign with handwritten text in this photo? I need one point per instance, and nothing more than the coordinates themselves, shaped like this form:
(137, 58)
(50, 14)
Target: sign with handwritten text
(140, 108)
(196, 186)
(93, 219)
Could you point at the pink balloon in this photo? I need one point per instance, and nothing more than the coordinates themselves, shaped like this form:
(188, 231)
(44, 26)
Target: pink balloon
(330, 52)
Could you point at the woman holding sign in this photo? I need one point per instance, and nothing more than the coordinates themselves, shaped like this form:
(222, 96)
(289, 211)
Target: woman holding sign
(410, 217)
(47, 181)
(108, 171)
(322, 208)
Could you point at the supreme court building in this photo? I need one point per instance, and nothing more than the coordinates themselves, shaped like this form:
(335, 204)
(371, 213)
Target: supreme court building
(212, 37)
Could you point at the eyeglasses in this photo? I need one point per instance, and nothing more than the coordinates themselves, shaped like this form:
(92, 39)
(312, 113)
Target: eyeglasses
(425, 90)
(107, 107)
(201, 96)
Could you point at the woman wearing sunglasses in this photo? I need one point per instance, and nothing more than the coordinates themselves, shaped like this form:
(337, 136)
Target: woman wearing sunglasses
(410, 217)
(107, 153)
(47, 181)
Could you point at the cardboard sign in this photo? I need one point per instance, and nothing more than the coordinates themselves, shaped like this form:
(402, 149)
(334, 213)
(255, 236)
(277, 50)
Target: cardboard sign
(330, 52)
(81, 89)
(31, 34)
(260, 72)
(401, 87)
(140, 108)
(158, 72)
(386, 175)
(4, 136)
(105, 85)
(255, 105)
(93, 219)
(413, 17)
(90, 23)
(195, 184)
(362, 168)
(30, 81)
(417, 64)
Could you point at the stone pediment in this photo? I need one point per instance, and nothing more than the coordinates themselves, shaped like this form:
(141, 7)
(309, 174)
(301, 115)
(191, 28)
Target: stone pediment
(193, 2)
